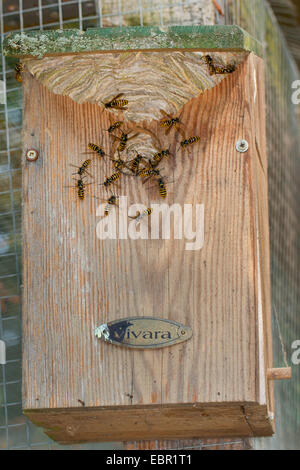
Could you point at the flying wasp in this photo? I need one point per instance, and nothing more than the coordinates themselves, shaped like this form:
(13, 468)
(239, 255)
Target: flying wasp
(97, 149)
(169, 122)
(216, 69)
(191, 140)
(114, 126)
(116, 103)
(18, 72)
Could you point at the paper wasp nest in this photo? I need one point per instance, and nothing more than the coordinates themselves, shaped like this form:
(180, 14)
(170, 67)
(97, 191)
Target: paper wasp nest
(150, 81)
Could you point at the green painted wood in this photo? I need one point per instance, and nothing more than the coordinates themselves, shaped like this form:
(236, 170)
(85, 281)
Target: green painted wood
(41, 43)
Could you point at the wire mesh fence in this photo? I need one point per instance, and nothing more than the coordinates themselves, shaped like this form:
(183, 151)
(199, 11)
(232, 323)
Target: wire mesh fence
(16, 432)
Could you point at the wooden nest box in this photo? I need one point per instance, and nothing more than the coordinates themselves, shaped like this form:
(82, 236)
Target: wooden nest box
(148, 383)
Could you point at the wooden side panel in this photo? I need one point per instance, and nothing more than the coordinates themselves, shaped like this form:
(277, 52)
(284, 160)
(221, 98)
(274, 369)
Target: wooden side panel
(73, 281)
(258, 90)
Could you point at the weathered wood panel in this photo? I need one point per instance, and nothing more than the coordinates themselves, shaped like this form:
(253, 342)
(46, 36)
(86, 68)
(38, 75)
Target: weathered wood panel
(128, 423)
(73, 281)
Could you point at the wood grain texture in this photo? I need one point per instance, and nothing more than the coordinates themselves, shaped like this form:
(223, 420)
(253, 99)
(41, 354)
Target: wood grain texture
(127, 423)
(279, 373)
(73, 282)
(191, 444)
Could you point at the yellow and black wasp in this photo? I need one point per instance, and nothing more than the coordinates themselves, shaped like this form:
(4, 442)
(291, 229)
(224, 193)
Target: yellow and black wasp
(216, 69)
(117, 103)
(111, 201)
(190, 141)
(112, 179)
(169, 122)
(18, 71)
(114, 126)
(157, 157)
(135, 163)
(80, 186)
(95, 148)
(148, 173)
(162, 187)
(118, 163)
(123, 140)
(83, 168)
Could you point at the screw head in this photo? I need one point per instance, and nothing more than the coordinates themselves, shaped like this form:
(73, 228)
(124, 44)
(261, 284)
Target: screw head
(242, 146)
(32, 155)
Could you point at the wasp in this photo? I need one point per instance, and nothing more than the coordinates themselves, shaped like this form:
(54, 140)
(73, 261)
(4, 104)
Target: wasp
(97, 149)
(191, 140)
(134, 167)
(210, 64)
(224, 69)
(116, 103)
(18, 71)
(140, 215)
(148, 173)
(118, 163)
(112, 201)
(215, 69)
(80, 186)
(115, 126)
(83, 168)
(123, 140)
(112, 179)
(157, 157)
(162, 188)
(161, 184)
(169, 122)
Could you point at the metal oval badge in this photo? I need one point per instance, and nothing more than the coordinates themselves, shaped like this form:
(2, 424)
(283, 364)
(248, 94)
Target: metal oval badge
(143, 332)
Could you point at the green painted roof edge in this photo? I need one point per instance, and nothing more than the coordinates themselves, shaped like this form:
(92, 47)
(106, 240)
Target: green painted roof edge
(72, 41)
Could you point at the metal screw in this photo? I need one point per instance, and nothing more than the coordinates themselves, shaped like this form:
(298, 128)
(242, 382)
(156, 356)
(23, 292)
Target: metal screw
(242, 145)
(32, 155)
(183, 332)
